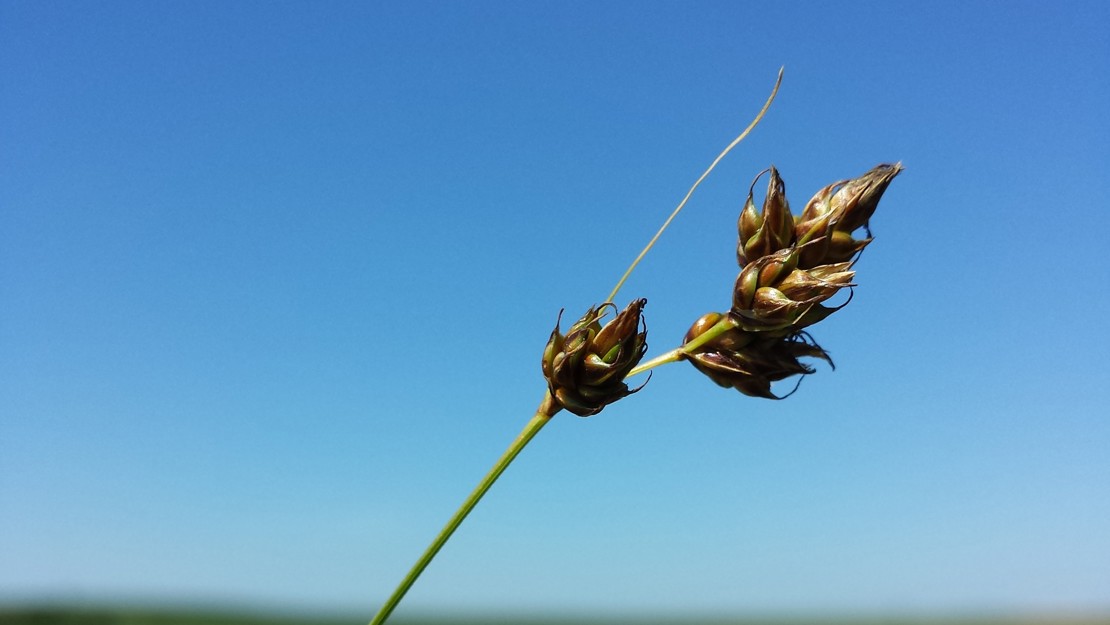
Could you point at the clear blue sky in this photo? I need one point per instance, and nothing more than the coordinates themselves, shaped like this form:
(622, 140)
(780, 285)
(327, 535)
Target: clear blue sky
(275, 279)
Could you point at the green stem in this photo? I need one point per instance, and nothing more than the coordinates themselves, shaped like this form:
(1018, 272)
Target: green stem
(675, 355)
(543, 414)
(672, 356)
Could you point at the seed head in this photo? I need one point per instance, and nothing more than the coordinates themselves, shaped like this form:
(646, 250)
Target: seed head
(773, 293)
(751, 361)
(585, 369)
(824, 230)
(790, 266)
(766, 232)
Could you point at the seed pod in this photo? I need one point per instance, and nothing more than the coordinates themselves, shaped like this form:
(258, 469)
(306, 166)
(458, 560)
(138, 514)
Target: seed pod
(767, 232)
(772, 294)
(824, 231)
(764, 271)
(585, 369)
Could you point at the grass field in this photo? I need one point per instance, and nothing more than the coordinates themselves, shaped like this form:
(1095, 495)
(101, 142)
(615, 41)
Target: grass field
(53, 615)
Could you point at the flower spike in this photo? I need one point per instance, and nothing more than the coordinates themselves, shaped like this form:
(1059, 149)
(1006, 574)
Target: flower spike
(790, 266)
(585, 369)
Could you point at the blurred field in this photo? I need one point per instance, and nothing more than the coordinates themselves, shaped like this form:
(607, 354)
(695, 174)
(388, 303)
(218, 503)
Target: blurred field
(147, 616)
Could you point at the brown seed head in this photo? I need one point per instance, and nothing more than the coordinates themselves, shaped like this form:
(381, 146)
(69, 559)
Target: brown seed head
(751, 361)
(824, 230)
(768, 231)
(789, 268)
(771, 293)
(585, 369)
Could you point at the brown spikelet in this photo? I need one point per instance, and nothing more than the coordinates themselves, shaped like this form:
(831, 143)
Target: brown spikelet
(585, 369)
(790, 267)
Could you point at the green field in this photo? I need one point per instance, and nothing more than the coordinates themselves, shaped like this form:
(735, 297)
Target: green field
(23, 615)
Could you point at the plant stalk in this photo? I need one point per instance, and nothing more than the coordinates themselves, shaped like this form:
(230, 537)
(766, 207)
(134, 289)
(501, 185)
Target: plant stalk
(543, 414)
(735, 142)
(672, 356)
(675, 355)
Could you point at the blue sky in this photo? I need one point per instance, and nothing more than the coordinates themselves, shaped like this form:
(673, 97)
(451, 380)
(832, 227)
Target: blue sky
(275, 279)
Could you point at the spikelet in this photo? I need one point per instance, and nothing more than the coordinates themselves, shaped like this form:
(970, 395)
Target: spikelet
(790, 266)
(585, 369)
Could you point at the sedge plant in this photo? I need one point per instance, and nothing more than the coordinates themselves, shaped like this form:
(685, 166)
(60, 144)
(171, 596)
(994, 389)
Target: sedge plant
(790, 266)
